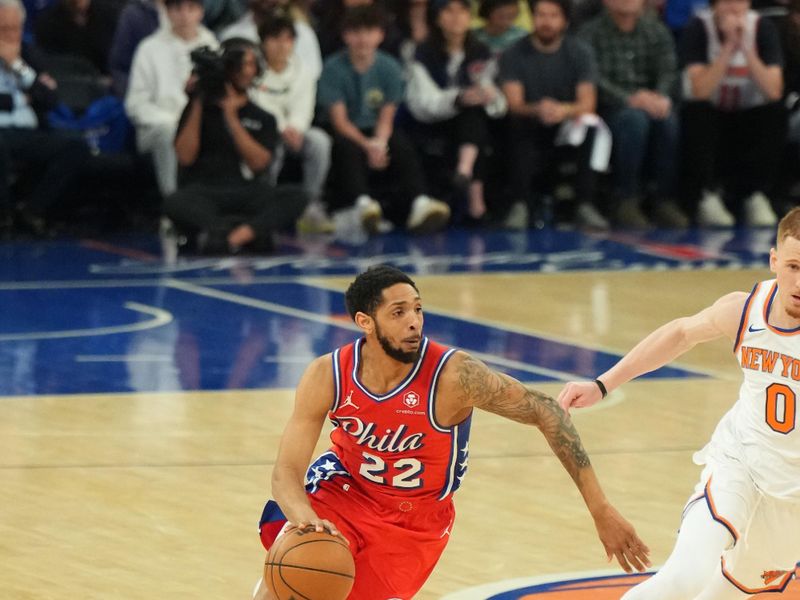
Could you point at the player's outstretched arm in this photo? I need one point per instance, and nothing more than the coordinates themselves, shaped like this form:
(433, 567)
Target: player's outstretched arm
(662, 346)
(313, 399)
(472, 383)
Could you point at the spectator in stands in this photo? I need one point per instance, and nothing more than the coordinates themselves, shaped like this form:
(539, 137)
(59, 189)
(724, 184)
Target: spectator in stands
(732, 71)
(638, 76)
(330, 14)
(357, 98)
(499, 31)
(24, 97)
(219, 14)
(306, 46)
(411, 17)
(452, 95)
(550, 79)
(139, 19)
(156, 91)
(288, 91)
(225, 144)
(81, 27)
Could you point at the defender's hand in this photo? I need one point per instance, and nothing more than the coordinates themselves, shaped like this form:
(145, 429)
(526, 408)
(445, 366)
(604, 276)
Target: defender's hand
(579, 395)
(620, 540)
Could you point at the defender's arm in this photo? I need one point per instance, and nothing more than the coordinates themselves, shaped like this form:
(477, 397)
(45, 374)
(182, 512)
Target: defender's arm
(661, 347)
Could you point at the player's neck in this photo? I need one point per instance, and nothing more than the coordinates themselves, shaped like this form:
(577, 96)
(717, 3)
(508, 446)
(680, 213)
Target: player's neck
(381, 373)
(779, 317)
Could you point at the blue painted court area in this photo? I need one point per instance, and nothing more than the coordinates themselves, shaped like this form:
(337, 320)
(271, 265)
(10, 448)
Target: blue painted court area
(183, 336)
(84, 316)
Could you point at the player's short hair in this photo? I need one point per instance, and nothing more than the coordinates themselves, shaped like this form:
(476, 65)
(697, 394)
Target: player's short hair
(365, 294)
(790, 225)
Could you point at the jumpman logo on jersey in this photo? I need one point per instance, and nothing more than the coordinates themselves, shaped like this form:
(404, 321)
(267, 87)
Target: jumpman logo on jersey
(349, 401)
(446, 531)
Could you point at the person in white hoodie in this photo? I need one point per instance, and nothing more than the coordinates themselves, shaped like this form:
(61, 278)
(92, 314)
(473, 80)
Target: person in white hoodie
(288, 91)
(306, 46)
(156, 93)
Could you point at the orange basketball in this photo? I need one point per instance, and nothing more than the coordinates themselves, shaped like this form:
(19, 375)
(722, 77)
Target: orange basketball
(311, 565)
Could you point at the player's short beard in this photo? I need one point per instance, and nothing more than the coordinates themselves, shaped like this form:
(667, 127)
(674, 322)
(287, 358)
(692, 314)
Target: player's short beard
(396, 353)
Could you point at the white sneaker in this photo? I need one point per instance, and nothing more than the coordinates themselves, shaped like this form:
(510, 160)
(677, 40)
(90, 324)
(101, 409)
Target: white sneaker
(427, 215)
(369, 213)
(517, 218)
(711, 211)
(586, 215)
(758, 211)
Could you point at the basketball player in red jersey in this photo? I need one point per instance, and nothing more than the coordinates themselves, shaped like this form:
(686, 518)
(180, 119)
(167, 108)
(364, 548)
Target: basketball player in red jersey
(401, 406)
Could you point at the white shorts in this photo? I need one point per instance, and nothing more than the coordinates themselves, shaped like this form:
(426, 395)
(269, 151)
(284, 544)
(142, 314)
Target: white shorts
(766, 530)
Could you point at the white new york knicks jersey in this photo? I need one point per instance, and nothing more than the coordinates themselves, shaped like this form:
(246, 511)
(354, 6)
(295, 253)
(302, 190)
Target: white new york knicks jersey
(760, 429)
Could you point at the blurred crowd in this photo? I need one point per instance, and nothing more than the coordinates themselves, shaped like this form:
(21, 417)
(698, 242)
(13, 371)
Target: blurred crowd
(228, 121)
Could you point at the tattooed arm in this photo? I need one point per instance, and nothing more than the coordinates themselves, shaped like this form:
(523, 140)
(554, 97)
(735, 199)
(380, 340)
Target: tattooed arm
(469, 383)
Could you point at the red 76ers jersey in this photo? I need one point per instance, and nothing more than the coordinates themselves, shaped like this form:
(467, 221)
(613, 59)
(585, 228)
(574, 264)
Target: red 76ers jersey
(391, 444)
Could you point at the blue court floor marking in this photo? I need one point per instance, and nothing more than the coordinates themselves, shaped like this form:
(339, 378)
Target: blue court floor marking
(508, 365)
(159, 318)
(490, 324)
(518, 354)
(275, 329)
(559, 356)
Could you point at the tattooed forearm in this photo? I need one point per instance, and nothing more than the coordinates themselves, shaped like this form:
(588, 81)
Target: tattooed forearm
(508, 398)
(561, 434)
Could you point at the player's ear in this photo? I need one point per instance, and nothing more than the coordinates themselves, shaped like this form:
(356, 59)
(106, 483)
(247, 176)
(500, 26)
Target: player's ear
(773, 260)
(365, 322)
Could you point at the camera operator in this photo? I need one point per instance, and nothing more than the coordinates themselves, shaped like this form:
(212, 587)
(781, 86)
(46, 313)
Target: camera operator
(25, 95)
(225, 144)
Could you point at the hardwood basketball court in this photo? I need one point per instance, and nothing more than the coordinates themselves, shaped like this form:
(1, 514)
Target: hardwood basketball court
(156, 493)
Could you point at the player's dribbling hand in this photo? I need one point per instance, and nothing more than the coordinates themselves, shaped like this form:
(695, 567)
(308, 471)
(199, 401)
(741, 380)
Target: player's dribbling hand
(579, 395)
(321, 525)
(620, 540)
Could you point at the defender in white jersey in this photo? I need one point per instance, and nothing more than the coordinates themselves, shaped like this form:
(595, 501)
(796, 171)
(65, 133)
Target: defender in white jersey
(740, 533)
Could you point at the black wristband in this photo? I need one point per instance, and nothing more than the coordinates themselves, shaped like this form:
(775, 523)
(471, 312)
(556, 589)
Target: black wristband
(602, 387)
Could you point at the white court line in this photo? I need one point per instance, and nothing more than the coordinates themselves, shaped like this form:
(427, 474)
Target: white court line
(126, 358)
(78, 284)
(160, 317)
(310, 316)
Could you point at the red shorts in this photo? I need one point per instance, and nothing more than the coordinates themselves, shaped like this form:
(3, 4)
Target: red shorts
(395, 542)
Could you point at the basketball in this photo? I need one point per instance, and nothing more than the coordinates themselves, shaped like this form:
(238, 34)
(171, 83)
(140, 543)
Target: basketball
(308, 564)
